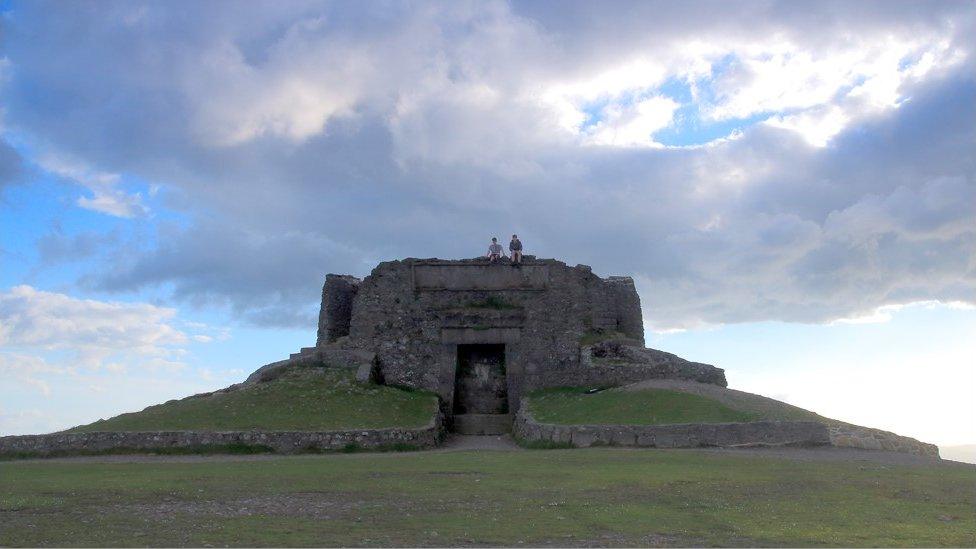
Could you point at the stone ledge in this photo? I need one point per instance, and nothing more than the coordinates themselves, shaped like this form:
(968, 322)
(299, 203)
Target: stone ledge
(284, 442)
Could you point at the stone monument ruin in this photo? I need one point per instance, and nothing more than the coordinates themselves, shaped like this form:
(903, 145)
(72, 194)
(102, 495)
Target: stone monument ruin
(482, 335)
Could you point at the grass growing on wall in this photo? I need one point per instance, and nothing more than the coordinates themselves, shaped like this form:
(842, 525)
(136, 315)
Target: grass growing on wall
(572, 406)
(307, 399)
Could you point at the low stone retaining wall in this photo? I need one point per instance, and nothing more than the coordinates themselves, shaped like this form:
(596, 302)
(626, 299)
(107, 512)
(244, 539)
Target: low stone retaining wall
(280, 441)
(855, 436)
(728, 435)
(691, 435)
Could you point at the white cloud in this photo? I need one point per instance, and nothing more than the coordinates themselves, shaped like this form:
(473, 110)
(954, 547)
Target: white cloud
(80, 350)
(106, 197)
(820, 93)
(292, 95)
(879, 315)
(816, 126)
(633, 125)
(29, 370)
(48, 320)
(48, 336)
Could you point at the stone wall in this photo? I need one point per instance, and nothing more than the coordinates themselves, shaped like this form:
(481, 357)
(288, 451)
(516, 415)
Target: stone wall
(728, 435)
(855, 436)
(338, 294)
(413, 314)
(280, 441)
(692, 435)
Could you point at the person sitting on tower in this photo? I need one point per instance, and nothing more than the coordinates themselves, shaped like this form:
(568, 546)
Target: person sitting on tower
(495, 250)
(515, 247)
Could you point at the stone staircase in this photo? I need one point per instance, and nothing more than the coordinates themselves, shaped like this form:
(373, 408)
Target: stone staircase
(305, 351)
(483, 424)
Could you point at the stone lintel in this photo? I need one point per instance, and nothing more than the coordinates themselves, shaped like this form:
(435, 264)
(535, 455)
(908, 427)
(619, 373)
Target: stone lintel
(463, 336)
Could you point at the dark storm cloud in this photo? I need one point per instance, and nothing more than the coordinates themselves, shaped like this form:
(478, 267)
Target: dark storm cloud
(324, 138)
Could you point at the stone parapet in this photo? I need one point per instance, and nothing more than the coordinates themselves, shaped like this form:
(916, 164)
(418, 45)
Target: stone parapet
(855, 436)
(285, 442)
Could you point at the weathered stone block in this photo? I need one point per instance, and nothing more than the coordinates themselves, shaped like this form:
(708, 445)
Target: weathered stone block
(623, 436)
(338, 294)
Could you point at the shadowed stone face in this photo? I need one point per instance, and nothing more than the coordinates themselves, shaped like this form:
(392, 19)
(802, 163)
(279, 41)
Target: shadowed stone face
(481, 385)
(334, 316)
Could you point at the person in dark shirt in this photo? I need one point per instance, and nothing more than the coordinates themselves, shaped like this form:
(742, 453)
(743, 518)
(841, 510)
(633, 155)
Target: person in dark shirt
(494, 250)
(515, 247)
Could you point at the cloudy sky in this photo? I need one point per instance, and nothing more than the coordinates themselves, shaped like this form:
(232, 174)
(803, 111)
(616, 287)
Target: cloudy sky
(791, 184)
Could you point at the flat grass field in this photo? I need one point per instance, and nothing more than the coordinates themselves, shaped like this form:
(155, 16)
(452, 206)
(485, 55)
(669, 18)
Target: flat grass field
(597, 496)
(307, 399)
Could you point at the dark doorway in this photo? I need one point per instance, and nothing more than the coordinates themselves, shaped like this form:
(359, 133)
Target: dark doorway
(480, 386)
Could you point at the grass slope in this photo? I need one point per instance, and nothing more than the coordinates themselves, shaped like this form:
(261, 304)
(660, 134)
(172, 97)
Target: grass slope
(308, 399)
(593, 497)
(569, 406)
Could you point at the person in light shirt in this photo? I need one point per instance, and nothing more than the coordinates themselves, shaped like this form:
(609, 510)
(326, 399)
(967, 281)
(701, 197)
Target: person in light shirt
(495, 250)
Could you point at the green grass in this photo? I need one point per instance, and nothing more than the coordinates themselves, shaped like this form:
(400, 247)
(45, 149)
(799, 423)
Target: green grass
(572, 406)
(607, 496)
(307, 399)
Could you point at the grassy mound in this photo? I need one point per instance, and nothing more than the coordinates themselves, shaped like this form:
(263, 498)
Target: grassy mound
(569, 406)
(307, 399)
